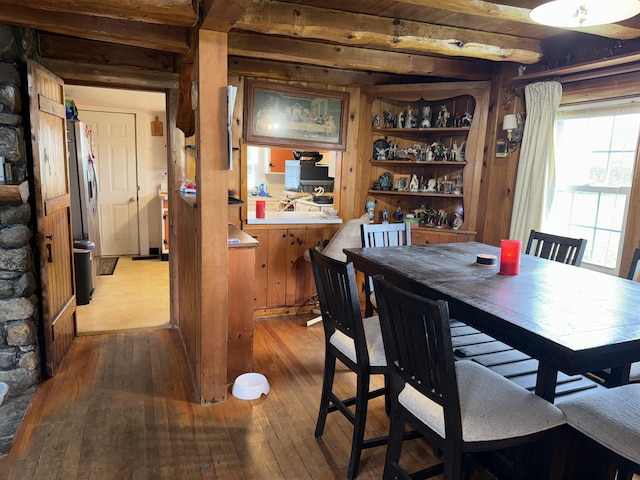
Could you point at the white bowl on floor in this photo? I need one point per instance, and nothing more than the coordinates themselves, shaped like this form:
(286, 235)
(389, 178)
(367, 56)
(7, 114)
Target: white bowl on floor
(4, 388)
(250, 386)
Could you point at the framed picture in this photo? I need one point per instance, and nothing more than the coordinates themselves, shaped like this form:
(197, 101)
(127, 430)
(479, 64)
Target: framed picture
(401, 182)
(295, 117)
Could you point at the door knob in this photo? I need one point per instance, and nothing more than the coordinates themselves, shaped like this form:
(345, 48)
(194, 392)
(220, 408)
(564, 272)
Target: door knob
(131, 200)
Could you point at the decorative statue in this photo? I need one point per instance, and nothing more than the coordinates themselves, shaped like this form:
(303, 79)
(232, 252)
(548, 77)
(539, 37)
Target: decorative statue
(370, 208)
(385, 215)
(454, 152)
(426, 117)
(408, 118)
(389, 119)
(393, 150)
(431, 185)
(443, 117)
(466, 119)
(414, 184)
(376, 121)
(381, 153)
(458, 220)
(399, 215)
(400, 121)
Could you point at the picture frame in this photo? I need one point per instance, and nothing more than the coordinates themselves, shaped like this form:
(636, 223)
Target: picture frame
(277, 114)
(401, 182)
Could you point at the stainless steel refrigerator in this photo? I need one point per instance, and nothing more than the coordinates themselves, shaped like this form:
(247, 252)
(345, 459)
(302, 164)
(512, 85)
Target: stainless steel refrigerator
(83, 185)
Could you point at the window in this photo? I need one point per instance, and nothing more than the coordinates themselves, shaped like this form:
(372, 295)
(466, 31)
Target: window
(595, 153)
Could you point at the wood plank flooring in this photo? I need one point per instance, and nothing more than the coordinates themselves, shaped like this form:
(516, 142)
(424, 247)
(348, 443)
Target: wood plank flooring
(122, 407)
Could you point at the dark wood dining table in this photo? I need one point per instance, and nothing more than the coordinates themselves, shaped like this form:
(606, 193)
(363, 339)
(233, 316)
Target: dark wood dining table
(569, 318)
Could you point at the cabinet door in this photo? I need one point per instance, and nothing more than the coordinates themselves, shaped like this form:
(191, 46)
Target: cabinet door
(423, 236)
(262, 269)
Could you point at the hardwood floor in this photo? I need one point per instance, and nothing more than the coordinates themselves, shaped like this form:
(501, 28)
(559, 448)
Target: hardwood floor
(122, 407)
(135, 297)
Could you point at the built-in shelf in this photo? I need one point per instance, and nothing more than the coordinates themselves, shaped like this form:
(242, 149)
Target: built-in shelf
(14, 192)
(417, 194)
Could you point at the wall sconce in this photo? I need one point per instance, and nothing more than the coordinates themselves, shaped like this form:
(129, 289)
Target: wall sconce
(513, 124)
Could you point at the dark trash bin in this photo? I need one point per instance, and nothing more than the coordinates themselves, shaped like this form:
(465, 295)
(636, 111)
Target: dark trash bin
(83, 257)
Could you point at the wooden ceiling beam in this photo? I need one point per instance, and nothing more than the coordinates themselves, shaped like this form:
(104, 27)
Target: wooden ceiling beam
(220, 15)
(101, 53)
(339, 56)
(293, 20)
(514, 13)
(252, 67)
(136, 34)
(170, 12)
(111, 76)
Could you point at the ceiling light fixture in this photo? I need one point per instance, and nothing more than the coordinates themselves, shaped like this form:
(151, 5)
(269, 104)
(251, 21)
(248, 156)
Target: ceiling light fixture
(584, 13)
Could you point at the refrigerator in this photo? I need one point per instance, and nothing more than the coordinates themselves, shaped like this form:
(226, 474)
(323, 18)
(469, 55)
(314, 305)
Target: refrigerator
(83, 187)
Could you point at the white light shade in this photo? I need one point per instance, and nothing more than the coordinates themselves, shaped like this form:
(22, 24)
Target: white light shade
(584, 13)
(510, 122)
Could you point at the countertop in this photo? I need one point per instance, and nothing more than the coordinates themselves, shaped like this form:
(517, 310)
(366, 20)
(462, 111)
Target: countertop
(291, 218)
(238, 239)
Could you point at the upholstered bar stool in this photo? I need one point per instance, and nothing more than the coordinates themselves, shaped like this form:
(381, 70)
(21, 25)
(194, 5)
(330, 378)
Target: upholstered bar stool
(611, 419)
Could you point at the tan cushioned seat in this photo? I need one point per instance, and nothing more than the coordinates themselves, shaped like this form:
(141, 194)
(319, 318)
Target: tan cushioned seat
(611, 417)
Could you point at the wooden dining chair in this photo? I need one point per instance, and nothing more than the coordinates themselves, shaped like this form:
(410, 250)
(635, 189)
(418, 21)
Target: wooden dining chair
(382, 235)
(460, 407)
(605, 376)
(610, 419)
(634, 274)
(356, 342)
(555, 247)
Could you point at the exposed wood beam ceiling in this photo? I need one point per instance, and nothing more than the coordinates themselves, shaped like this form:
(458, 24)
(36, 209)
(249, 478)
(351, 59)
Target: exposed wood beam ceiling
(382, 33)
(330, 40)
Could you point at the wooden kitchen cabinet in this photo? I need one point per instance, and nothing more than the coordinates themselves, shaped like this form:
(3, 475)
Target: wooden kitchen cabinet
(426, 236)
(283, 278)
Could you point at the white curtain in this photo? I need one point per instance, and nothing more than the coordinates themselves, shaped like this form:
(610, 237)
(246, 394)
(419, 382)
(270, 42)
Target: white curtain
(535, 182)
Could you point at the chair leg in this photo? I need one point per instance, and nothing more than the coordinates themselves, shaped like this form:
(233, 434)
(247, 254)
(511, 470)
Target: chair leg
(453, 464)
(394, 446)
(362, 401)
(327, 386)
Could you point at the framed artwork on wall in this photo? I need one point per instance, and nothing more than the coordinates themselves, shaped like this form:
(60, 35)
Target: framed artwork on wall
(277, 114)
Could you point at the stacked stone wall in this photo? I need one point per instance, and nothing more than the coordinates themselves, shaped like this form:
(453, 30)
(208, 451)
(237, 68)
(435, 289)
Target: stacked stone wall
(19, 308)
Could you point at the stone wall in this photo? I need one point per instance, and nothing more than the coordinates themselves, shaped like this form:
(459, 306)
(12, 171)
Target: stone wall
(19, 305)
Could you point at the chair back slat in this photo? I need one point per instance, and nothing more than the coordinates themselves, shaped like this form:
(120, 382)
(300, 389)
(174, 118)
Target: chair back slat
(386, 234)
(634, 268)
(555, 247)
(417, 342)
(338, 298)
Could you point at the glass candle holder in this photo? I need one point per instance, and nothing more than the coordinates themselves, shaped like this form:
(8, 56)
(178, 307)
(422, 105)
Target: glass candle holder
(510, 257)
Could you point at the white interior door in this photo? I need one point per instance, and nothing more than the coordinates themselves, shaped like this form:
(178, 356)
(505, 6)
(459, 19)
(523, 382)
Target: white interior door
(114, 143)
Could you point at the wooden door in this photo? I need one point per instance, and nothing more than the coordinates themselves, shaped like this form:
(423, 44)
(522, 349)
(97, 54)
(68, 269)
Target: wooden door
(53, 212)
(114, 143)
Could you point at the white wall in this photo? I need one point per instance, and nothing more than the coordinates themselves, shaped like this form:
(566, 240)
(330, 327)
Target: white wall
(151, 151)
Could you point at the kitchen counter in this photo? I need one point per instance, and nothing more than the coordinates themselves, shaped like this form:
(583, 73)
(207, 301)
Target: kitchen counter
(291, 218)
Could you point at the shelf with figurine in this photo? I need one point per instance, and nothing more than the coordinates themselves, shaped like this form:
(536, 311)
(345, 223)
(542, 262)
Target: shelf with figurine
(425, 150)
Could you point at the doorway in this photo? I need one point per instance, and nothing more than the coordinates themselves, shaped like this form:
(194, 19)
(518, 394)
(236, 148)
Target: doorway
(136, 295)
(114, 144)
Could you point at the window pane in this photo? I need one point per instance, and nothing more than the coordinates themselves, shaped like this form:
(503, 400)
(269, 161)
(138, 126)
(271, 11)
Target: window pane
(584, 209)
(594, 159)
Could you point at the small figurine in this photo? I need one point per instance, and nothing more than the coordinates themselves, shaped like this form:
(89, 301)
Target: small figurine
(393, 150)
(408, 118)
(457, 120)
(385, 215)
(370, 208)
(414, 184)
(381, 153)
(443, 117)
(400, 120)
(466, 119)
(376, 121)
(458, 220)
(389, 119)
(453, 153)
(426, 117)
(431, 185)
(399, 215)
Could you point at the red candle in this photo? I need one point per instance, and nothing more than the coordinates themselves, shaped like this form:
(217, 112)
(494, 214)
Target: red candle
(260, 204)
(510, 257)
